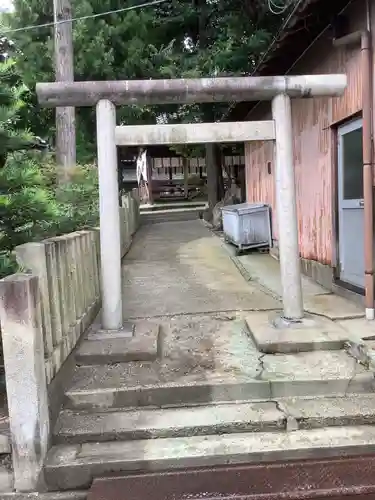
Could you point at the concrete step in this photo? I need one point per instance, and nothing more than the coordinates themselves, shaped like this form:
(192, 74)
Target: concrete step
(143, 345)
(75, 466)
(157, 207)
(145, 423)
(171, 215)
(81, 427)
(325, 373)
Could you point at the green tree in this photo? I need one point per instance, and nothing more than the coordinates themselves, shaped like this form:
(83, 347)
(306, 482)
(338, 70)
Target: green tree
(32, 204)
(179, 38)
(26, 206)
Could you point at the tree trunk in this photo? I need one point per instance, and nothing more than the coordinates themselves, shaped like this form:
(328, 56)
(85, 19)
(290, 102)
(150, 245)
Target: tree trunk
(64, 72)
(213, 168)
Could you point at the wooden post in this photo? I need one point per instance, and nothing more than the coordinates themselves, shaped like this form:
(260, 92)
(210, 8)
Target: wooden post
(212, 177)
(64, 72)
(149, 181)
(185, 165)
(170, 172)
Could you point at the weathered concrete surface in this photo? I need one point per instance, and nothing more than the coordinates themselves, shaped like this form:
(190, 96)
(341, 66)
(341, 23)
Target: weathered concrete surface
(188, 91)
(359, 327)
(211, 396)
(143, 346)
(80, 427)
(74, 466)
(212, 358)
(314, 333)
(265, 270)
(24, 360)
(334, 307)
(64, 495)
(194, 133)
(315, 374)
(205, 358)
(185, 392)
(227, 418)
(97, 333)
(362, 351)
(312, 413)
(182, 268)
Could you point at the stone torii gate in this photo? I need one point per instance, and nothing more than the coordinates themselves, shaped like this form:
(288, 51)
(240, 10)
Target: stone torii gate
(105, 95)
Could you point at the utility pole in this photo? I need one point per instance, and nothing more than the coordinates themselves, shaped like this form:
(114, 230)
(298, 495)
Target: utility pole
(211, 155)
(64, 72)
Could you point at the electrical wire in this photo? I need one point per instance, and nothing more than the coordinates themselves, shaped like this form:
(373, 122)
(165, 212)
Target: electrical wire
(91, 16)
(270, 47)
(303, 53)
(276, 37)
(279, 8)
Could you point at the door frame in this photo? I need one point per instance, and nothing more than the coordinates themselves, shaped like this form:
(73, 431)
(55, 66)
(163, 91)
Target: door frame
(344, 127)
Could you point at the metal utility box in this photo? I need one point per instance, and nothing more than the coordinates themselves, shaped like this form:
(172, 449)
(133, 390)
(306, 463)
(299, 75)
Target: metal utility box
(247, 225)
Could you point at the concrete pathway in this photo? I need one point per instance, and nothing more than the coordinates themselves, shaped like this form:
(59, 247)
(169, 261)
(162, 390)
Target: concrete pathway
(196, 388)
(180, 280)
(182, 268)
(264, 270)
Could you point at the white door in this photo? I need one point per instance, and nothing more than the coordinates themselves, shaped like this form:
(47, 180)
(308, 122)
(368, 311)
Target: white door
(350, 198)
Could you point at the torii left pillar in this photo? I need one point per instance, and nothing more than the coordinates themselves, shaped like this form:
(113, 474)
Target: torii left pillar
(110, 243)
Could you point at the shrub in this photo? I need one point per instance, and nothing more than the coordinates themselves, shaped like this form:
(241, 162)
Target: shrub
(33, 206)
(33, 203)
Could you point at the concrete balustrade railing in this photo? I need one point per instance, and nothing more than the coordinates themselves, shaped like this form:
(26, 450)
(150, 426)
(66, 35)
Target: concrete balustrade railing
(69, 291)
(44, 309)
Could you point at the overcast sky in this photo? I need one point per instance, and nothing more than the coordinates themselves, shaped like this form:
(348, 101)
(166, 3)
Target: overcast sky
(5, 4)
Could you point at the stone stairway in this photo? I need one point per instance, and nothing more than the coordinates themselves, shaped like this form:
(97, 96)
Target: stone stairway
(171, 212)
(197, 392)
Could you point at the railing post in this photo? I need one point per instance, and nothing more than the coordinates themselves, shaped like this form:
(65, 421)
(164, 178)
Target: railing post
(110, 241)
(25, 377)
(32, 258)
(287, 210)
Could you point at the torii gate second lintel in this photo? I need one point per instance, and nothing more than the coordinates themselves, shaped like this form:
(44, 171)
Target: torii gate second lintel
(105, 95)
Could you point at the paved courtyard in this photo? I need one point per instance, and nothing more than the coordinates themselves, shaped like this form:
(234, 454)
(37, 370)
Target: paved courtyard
(182, 278)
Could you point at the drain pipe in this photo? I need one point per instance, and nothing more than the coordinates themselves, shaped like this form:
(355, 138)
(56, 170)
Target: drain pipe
(364, 38)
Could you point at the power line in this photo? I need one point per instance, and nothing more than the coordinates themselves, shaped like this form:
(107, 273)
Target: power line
(296, 61)
(279, 8)
(232, 105)
(276, 37)
(91, 16)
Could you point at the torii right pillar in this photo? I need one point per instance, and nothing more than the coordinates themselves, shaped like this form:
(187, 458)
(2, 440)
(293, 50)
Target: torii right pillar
(287, 210)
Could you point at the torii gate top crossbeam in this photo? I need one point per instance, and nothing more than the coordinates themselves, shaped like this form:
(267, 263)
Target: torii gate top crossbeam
(186, 91)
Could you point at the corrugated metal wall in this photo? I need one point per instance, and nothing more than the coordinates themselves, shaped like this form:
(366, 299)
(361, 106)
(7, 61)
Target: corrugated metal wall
(314, 123)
